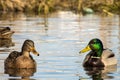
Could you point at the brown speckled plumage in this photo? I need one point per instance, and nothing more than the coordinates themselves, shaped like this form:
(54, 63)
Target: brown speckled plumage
(22, 59)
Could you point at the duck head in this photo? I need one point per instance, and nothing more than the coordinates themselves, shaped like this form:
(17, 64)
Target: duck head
(95, 45)
(28, 46)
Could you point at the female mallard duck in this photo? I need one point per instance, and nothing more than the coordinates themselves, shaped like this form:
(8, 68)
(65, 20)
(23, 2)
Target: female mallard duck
(5, 32)
(98, 56)
(22, 59)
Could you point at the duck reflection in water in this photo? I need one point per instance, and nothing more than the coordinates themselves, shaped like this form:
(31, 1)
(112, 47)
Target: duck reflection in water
(100, 73)
(23, 73)
(6, 42)
(21, 63)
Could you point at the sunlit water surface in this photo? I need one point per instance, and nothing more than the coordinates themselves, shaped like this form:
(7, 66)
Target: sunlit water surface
(58, 39)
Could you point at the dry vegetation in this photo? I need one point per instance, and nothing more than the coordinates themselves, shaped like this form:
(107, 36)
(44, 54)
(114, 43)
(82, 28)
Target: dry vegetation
(46, 6)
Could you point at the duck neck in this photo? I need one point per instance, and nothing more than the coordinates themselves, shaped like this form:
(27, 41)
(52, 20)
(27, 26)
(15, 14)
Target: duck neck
(99, 53)
(26, 53)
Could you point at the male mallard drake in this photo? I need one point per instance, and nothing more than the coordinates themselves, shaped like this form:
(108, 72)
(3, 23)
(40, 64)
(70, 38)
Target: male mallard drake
(5, 32)
(98, 56)
(22, 59)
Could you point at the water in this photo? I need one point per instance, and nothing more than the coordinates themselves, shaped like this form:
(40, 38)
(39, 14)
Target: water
(59, 39)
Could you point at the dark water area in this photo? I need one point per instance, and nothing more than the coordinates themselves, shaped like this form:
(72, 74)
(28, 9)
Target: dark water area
(58, 39)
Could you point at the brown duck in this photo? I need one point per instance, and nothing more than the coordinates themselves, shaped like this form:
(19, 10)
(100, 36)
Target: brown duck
(22, 59)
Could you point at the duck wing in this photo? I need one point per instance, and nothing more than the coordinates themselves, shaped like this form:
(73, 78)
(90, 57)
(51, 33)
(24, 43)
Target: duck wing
(10, 60)
(107, 53)
(108, 57)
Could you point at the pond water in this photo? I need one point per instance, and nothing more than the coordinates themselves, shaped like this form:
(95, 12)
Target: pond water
(58, 39)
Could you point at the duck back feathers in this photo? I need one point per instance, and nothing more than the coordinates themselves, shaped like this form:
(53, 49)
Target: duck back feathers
(10, 60)
(108, 57)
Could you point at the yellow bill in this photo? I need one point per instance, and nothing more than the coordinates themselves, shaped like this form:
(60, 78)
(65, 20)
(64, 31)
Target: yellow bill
(85, 49)
(35, 52)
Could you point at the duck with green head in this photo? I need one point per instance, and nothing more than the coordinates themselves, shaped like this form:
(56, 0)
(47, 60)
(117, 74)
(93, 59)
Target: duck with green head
(98, 56)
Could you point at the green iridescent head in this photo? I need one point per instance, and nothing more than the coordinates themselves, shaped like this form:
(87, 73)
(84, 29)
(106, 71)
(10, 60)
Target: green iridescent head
(95, 45)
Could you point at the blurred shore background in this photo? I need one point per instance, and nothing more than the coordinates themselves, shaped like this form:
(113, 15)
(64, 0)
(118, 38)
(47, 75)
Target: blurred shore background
(48, 6)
